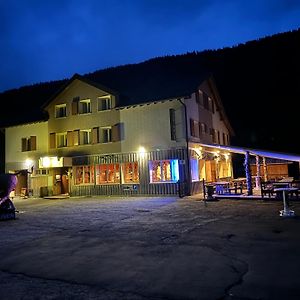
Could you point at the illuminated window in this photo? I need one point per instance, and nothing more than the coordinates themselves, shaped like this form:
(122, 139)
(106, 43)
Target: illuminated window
(61, 140)
(107, 173)
(164, 170)
(79, 175)
(104, 103)
(85, 106)
(194, 169)
(60, 110)
(130, 172)
(84, 175)
(105, 135)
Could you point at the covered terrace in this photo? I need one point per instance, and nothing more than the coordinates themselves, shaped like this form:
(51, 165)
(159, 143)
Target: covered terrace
(257, 184)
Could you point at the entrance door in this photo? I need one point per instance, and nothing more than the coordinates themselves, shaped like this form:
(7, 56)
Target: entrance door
(64, 184)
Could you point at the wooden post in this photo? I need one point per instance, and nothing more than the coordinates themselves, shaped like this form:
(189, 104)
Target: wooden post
(257, 178)
(265, 169)
(248, 174)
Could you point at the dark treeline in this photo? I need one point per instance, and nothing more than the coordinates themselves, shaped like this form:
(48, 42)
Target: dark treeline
(259, 83)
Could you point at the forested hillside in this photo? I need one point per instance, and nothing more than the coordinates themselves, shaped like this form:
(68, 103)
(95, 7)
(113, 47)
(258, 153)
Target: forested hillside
(259, 83)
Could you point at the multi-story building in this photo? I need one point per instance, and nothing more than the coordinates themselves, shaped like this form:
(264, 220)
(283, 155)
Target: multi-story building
(98, 140)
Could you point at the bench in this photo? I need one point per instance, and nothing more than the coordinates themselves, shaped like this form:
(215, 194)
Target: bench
(130, 189)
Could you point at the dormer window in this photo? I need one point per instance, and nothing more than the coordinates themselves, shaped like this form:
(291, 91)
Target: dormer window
(60, 110)
(85, 106)
(104, 103)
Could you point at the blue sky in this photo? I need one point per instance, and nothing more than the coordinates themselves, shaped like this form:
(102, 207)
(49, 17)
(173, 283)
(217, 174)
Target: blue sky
(50, 40)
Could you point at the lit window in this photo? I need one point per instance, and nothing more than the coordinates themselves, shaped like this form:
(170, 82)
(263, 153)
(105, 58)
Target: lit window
(61, 140)
(106, 135)
(104, 103)
(194, 169)
(130, 172)
(60, 110)
(164, 170)
(84, 175)
(85, 106)
(107, 173)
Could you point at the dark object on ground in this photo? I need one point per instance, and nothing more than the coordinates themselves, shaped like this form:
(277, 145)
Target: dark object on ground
(7, 209)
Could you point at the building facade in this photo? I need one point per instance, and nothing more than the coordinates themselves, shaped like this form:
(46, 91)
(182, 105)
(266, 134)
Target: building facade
(94, 143)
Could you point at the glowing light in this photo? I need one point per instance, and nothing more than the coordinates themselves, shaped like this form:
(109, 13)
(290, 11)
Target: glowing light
(142, 150)
(28, 163)
(50, 162)
(226, 155)
(46, 162)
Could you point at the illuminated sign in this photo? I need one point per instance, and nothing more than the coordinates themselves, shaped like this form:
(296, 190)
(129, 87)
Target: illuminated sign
(51, 162)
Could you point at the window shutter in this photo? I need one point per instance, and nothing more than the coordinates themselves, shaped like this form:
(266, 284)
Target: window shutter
(75, 106)
(95, 135)
(76, 137)
(33, 143)
(115, 133)
(52, 140)
(172, 124)
(24, 144)
(70, 140)
(197, 96)
(192, 127)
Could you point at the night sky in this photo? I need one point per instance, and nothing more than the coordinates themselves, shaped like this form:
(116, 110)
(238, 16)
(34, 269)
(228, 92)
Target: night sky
(51, 40)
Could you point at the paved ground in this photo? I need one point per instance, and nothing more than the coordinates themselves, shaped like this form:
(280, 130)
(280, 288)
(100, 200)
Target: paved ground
(150, 248)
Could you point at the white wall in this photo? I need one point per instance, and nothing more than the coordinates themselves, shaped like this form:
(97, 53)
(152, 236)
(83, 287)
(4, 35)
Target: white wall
(14, 157)
(149, 126)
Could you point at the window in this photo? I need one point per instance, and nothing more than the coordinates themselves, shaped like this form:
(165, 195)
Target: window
(211, 105)
(61, 140)
(85, 106)
(28, 143)
(205, 101)
(104, 103)
(85, 137)
(199, 97)
(130, 172)
(60, 110)
(107, 173)
(194, 128)
(105, 135)
(164, 171)
(84, 175)
(194, 169)
(172, 124)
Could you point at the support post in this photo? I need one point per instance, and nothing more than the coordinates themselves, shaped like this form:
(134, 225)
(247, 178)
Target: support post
(257, 178)
(265, 169)
(248, 173)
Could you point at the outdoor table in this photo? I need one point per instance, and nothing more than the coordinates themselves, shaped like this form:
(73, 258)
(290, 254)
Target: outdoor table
(286, 212)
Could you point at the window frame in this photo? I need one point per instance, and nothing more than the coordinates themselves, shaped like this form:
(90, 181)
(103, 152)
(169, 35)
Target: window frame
(58, 108)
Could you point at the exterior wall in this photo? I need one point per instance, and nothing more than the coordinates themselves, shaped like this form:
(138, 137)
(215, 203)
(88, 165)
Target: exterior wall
(149, 126)
(197, 112)
(144, 187)
(82, 121)
(14, 157)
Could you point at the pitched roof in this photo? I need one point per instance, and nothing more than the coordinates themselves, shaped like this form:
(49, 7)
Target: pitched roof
(152, 80)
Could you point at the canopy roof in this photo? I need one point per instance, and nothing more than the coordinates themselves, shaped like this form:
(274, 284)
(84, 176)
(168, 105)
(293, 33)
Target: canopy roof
(255, 152)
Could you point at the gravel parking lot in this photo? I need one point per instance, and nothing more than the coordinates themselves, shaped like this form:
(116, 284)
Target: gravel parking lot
(150, 248)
